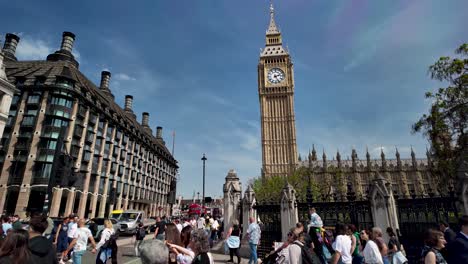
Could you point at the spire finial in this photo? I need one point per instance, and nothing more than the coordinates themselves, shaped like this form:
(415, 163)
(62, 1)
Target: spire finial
(272, 28)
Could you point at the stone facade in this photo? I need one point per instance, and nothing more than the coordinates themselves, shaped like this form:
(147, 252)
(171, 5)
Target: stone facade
(6, 95)
(117, 161)
(232, 190)
(276, 92)
(408, 177)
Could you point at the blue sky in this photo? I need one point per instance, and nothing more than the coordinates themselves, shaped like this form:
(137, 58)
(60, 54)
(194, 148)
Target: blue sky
(360, 69)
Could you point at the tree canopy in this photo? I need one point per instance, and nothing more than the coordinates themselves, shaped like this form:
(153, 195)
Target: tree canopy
(446, 124)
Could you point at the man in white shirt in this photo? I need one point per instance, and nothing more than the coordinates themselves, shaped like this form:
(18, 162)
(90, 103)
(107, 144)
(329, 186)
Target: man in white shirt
(178, 225)
(80, 242)
(342, 246)
(72, 227)
(201, 222)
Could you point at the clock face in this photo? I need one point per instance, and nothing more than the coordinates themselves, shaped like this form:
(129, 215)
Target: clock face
(275, 75)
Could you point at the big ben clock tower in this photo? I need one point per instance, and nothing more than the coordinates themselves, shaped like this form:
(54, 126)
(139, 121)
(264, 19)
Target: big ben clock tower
(276, 94)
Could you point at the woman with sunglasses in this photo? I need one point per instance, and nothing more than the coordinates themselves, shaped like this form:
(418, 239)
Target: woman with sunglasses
(371, 252)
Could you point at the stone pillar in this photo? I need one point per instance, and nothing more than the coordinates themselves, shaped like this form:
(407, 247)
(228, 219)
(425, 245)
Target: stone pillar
(70, 201)
(383, 205)
(289, 216)
(247, 208)
(232, 190)
(56, 200)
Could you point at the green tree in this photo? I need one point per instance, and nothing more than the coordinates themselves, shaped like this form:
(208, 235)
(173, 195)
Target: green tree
(446, 123)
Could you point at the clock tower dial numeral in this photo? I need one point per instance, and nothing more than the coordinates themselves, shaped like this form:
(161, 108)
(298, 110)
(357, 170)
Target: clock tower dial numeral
(275, 75)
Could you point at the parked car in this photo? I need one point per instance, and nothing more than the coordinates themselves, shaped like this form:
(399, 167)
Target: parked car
(96, 225)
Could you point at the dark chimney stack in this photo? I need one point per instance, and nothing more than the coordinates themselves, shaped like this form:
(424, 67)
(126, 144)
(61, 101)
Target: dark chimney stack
(145, 119)
(67, 41)
(159, 132)
(105, 79)
(9, 47)
(128, 103)
(65, 51)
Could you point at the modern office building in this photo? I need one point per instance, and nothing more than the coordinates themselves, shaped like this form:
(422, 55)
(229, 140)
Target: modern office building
(117, 162)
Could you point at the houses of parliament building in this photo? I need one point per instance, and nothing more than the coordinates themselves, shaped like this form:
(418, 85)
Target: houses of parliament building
(408, 177)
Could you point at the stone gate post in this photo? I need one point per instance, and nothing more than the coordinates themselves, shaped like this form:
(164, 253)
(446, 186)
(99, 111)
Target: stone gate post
(232, 189)
(289, 216)
(247, 208)
(383, 205)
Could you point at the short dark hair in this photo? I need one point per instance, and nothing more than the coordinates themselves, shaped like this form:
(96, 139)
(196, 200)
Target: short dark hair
(341, 229)
(463, 221)
(390, 231)
(432, 237)
(299, 225)
(38, 223)
(444, 223)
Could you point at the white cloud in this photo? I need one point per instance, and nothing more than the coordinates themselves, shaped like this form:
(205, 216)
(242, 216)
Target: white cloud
(123, 77)
(32, 49)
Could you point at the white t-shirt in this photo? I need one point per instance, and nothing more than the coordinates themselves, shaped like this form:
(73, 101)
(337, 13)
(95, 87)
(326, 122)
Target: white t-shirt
(72, 227)
(179, 227)
(371, 253)
(82, 234)
(342, 244)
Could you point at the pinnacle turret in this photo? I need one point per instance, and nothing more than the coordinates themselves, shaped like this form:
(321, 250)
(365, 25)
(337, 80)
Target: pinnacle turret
(272, 28)
(314, 153)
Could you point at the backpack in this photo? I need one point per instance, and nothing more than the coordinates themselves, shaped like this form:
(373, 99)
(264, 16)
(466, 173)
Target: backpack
(307, 257)
(141, 233)
(111, 242)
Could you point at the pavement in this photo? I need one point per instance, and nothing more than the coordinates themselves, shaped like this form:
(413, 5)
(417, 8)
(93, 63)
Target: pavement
(126, 253)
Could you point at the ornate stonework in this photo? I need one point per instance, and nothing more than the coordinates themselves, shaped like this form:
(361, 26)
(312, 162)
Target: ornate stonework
(276, 92)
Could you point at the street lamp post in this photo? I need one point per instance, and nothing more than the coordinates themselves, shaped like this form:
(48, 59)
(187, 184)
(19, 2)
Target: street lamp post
(203, 194)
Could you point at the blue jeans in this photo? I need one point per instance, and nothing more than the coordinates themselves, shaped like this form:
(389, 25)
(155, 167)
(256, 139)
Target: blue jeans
(253, 253)
(77, 256)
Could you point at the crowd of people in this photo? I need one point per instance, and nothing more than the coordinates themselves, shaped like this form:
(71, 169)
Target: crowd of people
(189, 240)
(348, 245)
(181, 241)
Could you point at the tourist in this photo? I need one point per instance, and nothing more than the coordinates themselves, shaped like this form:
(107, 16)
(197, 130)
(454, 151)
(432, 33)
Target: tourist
(72, 227)
(50, 228)
(201, 222)
(342, 245)
(154, 252)
(355, 239)
(200, 245)
(61, 238)
(140, 234)
(179, 225)
(371, 251)
(6, 224)
(80, 242)
(295, 247)
(42, 249)
(315, 219)
(160, 229)
(105, 245)
(184, 254)
(172, 237)
(233, 241)
(449, 234)
(253, 233)
(214, 229)
(15, 248)
(394, 248)
(193, 222)
(434, 241)
(458, 249)
(16, 223)
(377, 237)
